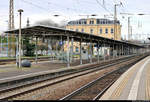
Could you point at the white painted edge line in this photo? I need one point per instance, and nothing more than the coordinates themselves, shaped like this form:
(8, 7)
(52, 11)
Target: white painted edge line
(110, 91)
(21, 76)
(135, 86)
(43, 72)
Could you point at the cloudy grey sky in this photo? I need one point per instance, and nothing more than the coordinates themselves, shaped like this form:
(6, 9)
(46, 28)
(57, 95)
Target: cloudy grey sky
(71, 9)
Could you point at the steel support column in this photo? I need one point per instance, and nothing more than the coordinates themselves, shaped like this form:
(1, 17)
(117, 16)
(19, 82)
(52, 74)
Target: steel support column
(98, 46)
(68, 52)
(113, 50)
(128, 50)
(81, 51)
(104, 52)
(62, 43)
(132, 50)
(109, 51)
(122, 50)
(36, 48)
(91, 51)
(17, 52)
(50, 48)
(117, 49)
(72, 40)
(137, 51)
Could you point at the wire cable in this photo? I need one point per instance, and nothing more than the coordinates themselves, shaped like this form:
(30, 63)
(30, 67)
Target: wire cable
(103, 7)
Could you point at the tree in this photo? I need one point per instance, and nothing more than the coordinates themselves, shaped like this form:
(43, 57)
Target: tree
(28, 47)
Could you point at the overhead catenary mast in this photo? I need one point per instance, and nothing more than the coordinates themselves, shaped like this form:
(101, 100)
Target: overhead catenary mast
(11, 26)
(115, 19)
(11, 15)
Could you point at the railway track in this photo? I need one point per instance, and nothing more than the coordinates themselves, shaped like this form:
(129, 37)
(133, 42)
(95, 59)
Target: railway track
(96, 88)
(8, 61)
(43, 77)
(11, 92)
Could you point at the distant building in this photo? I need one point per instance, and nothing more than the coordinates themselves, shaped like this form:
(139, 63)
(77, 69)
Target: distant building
(99, 27)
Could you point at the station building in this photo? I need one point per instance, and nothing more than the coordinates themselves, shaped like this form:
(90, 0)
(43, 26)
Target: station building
(99, 27)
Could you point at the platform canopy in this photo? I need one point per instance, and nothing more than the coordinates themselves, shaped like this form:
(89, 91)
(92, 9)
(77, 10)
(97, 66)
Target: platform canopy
(48, 31)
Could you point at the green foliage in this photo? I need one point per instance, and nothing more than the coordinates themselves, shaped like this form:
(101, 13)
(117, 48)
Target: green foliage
(4, 39)
(28, 47)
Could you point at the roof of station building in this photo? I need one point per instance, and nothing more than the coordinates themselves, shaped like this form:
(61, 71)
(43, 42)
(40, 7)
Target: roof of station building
(49, 31)
(99, 21)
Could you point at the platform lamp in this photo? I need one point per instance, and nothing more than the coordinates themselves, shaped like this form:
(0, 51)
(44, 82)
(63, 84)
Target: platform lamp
(149, 46)
(20, 13)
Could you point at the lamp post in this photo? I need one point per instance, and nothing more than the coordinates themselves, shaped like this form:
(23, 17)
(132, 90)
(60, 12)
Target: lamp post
(20, 12)
(115, 20)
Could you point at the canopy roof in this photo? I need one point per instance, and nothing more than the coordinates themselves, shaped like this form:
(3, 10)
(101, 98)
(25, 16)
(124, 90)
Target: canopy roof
(48, 31)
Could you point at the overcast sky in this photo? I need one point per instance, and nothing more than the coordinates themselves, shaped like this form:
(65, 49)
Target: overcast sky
(71, 9)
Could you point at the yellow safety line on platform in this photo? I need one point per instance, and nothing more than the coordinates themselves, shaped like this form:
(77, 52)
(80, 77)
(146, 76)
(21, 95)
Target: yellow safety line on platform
(122, 85)
(135, 86)
(147, 89)
(117, 88)
(114, 87)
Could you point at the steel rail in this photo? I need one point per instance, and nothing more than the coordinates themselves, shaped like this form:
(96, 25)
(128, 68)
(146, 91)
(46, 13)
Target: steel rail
(58, 81)
(108, 86)
(79, 90)
(58, 74)
(92, 70)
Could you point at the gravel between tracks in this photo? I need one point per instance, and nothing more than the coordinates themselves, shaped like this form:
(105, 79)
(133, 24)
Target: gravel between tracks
(57, 91)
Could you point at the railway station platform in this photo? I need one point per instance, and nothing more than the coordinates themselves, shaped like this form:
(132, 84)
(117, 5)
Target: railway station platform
(11, 72)
(134, 84)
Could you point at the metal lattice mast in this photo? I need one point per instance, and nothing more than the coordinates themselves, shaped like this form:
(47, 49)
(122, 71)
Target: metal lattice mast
(11, 26)
(11, 15)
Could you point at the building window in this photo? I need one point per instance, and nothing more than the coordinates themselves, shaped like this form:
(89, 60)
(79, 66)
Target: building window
(84, 22)
(79, 22)
(91, 31)
(106, 31)
(77, 30)
(106, 21)
(98, 21)
(101, 31)
(91, 22)
(112, 30)
(82, 30)
(103, 22)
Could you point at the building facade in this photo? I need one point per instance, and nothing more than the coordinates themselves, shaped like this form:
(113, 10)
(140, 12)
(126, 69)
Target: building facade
(99, 27)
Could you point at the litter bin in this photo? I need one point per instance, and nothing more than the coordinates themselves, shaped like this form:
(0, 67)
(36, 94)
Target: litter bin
(25, 63)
